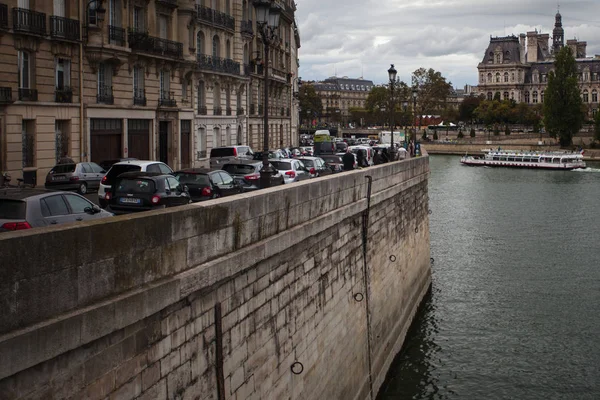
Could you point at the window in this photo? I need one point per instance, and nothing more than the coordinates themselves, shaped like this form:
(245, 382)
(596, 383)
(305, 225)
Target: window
(200, 43)
(63, 73)
(138, 82)
(527, 97)
(586, 96)
(184, 89)
(54, 205)
(77, 204)
(164, 168)
(164, 84)
(23, 4)
(505, 96)
(59, 8)
(498, 58)
(490, 96)
(92, 16)
(28, 143)
(228, 49)
(542, 96)
(227, 179)
(201, 143)
(489, 77)
(506, 77)
(114, 13)
(173, 183)
(163, 26)
(512, 77)
(104, 80)
(497, 77)
(139, 20)
(24, 69)
(535, 97)
(201, 94)
(594, 96)
(215, 46)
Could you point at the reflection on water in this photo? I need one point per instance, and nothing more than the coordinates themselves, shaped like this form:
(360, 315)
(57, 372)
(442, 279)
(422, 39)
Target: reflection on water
(513, 311)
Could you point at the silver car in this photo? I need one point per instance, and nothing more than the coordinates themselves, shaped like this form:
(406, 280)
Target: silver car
(292, 170)
(80, 177)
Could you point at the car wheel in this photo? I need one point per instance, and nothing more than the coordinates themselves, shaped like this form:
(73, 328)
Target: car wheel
(82, 189)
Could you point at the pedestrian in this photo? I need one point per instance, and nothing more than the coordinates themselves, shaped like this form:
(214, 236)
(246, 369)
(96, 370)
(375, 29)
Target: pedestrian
(361, 160)
(384, 155)
(377, 159)
(348, 160)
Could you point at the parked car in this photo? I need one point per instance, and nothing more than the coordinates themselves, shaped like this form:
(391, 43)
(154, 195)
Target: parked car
(128, 166)
(30, 208)
(106, 164)
(247, 174)
(224, 155)
(315, 165)
(80, 177)
(292, 169)
(307, 150)
(206, 184)
(341, 147)
(144, 191)
(273, 154)
(334, 162)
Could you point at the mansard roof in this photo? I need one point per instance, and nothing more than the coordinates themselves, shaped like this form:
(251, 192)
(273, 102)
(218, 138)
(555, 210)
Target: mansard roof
(510, 49)
(345, 84)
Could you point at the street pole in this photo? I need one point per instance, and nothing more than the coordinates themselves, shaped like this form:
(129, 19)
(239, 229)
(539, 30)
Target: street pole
(392, 75)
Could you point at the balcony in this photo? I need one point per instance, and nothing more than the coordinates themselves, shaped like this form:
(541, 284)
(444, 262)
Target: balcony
(5, 95)
(64, 28)
(28, 94)
(3, 17)
(139, 97)
(252, 109)
(246, 28)
(218, 64)
(105, 95)
(214, 17)
(218, 111)
(167, 99)
(228, 111)
(28, 21)
(116, 35)
(168, 3)
(141, 41)
(63, 95)
(202, 110)
(240, 111)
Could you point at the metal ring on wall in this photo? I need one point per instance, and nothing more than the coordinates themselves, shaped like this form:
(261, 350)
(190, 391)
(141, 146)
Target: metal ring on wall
(358, 297)
(430, 211)
(393, 258)
(432, 260)
(295, 369)
(416, 229)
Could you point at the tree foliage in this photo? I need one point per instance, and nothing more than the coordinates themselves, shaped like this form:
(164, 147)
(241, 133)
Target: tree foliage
(597, 126)
(466, 110)
(311, 105)
(563, 114)
(492, 112)
(432, 90)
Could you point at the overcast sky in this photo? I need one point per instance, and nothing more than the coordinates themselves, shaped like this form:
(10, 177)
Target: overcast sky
(363, 37)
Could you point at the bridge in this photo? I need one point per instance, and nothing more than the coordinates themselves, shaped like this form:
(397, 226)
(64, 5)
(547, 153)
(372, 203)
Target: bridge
(301, 291)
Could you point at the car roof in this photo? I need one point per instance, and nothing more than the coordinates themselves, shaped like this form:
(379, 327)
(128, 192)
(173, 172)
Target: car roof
(141, 174)
(24, 193)
(195, 171)
(141, 163)
(244, 162)
(307, 158)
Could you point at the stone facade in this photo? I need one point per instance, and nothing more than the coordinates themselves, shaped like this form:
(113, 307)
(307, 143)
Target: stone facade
(153, 79)
(339, 95)
(517, 68)
(304, 291)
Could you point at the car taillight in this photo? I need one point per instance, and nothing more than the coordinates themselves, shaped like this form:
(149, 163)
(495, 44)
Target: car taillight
(291, 174)
(252, 177)
(74, 178)
(107, 196)
(312, 171)
(104, 179)
(16, 226)
(155, 199)
(206, 192)
(234, 152)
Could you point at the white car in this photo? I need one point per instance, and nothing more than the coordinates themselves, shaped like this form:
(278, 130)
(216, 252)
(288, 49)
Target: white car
(127, 166)
(292, 170)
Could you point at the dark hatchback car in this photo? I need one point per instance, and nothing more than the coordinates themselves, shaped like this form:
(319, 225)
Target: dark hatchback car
(30, 208)
(206, 184)
(247, 174)
(80, 177)
(144, 191)
(333, 162)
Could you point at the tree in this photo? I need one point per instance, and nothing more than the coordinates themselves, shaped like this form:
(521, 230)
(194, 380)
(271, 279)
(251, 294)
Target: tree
(506, 130)
(466, 110)
(563, 115)
(310, 102)
(377, 99)
(597, 126)
(432, 91)
(472, 134)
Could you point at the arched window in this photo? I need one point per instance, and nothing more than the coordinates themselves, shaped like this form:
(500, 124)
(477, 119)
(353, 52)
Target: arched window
(535, 97)
(498, 58)
(527, 97)
(216, 51)
(489, 77)
(586, 96)
(482, 78)
(594, 96)
(505, 96)
(512, 77)
(217, 137)
(506, 77)
(490, 96)
(542, 97)
(200, 43)
(228, 49)
(497, 77)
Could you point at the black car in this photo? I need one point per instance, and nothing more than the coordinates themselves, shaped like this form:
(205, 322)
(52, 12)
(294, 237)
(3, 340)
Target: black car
(206, 184)
(247, 174)
(143, 191)
(334, 162)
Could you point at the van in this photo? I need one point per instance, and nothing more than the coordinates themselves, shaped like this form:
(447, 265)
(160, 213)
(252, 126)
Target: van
(220, 156)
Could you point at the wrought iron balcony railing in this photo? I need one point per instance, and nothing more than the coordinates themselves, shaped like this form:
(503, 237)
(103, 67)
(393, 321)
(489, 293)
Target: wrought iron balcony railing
(116, 35)
(28, 94)
(64, 28)
(63, 95)
(169, 3)
(3, 16)
(240, 111)
(218, 111)
(139, 97)
(167, 99)
(217, 18)
(105, 95)
(246, 28)
(5, 95)
(29, 21)
(218, 64)
(143, 42)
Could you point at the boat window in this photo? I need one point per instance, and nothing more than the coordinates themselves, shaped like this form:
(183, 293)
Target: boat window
(502, 158)
(496, 158)
(511, 159)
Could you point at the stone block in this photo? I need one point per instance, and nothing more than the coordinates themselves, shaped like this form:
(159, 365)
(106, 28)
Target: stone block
(150, 376)
(178, 380)
(159, 350)
(103, 362)
(129, 390)
(130, 369)
(170, 362)
(96, 280)
(156, 392)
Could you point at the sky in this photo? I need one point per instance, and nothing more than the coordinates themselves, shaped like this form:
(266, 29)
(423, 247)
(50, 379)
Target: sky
(357, 38)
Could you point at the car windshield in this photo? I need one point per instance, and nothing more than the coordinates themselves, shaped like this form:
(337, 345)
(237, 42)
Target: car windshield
(63, 169)
(307, 163)
(117, 170)
(12, 209)
(238, 169)
(192, 179)
(282, 165)
(139, 186)
(329, 159)
(222, 152)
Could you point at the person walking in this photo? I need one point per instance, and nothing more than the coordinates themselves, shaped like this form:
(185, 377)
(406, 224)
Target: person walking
(377, 159)
(384, 155)
(348, 160)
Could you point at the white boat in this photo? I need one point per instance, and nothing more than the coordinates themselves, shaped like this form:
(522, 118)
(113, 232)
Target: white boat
(527, 159)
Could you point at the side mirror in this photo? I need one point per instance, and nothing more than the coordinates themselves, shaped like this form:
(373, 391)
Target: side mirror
(96, 209)
(88, 210)
(185, 188)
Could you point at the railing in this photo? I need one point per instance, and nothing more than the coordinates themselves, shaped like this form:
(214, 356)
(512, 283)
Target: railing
(169, 3)
(240, 111)
(167, 99)
(5, 95)
(28, 94)
(215, 17)
(29, 21)
(277, 73)
(218, 111)
(228, 111)
(64, 28)
(116, 35)
(139, 97)
(246, 28)
(105, 95)
(63, 95)
(163, 47)
(202, 110)
(3, 16)
(218, 64)
(252, 109)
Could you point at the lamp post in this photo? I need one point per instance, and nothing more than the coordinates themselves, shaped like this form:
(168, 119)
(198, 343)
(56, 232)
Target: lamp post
(405, 107)
(392, 75)
(267, 21)
(415, 92)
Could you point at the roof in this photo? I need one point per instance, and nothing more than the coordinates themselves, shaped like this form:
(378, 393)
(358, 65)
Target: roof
(141, 174)
(511, 49)
(349, 84)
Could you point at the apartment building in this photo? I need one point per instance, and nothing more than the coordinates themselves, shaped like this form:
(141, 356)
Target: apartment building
(150, 79)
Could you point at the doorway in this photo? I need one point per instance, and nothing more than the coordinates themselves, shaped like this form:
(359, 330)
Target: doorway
(163, 141)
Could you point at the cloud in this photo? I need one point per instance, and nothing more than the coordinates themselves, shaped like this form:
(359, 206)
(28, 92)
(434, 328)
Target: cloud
(362, 38)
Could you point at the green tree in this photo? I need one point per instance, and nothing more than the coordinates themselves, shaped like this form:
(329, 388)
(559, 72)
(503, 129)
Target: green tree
(432, 91)
(466, 110)
(311, 105)
(563, 115)
(472, 132)
(506, 130)
(377, 99)
(597, 126)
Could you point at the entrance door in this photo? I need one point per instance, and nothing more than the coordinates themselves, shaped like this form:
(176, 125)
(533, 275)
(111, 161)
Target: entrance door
(186, 127)
(138, 138)
(163, 141)
(105, 139)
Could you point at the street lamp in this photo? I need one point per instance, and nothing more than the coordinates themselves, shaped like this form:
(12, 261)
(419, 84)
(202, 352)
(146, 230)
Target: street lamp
(267, 21)
(392, 75)
(405, 107)
(415, 92)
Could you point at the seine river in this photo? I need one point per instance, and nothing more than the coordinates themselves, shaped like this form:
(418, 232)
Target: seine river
(514, 311)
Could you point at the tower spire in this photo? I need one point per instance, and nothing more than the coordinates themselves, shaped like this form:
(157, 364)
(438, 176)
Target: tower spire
(558, 33)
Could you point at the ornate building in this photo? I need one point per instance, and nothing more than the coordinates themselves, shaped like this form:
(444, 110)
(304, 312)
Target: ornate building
(151, 79)
(517, 68)
(339, 95)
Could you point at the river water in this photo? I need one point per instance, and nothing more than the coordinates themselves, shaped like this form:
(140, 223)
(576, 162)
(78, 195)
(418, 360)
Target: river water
(514, 310)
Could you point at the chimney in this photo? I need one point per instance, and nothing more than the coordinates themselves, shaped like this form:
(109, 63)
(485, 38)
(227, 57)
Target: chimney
(572, 43)
(581, 49)
(544, 40)
(522, 48)
(532, 47)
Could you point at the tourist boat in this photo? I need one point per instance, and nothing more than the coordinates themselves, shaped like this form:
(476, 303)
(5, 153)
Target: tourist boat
(527, 159)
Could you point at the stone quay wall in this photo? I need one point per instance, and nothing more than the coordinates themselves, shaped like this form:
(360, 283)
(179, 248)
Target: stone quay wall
(298, 292)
